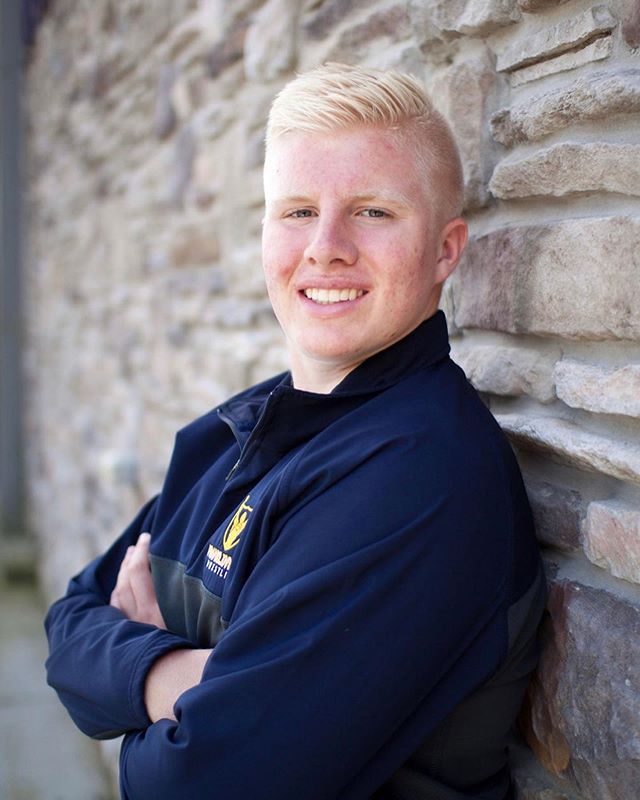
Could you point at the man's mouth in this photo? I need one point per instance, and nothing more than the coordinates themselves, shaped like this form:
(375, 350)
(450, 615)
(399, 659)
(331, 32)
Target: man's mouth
(332, 295)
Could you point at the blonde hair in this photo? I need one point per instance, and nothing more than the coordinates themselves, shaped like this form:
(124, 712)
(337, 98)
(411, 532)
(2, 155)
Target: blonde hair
(336, 96)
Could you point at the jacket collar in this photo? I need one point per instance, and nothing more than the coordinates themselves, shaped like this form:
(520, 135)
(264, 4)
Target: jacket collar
(301, 415)
(424, 346)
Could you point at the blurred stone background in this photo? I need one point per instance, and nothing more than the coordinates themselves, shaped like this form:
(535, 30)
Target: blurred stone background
(144, 304)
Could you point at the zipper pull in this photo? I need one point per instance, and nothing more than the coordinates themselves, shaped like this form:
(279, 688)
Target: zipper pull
(232, 470)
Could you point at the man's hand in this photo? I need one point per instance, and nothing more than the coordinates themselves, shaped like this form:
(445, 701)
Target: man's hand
(134, 593)
(175, 672)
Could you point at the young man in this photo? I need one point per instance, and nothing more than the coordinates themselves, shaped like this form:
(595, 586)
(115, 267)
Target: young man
(346, 585)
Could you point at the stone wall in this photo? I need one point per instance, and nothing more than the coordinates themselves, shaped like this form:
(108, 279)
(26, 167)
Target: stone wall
(146, 304)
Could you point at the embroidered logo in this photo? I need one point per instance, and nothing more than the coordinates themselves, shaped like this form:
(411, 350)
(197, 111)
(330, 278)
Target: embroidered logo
(237, 525)
(219, 562)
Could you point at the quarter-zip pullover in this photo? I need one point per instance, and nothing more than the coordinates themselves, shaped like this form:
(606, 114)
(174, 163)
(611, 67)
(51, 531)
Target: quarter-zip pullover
(364, 566)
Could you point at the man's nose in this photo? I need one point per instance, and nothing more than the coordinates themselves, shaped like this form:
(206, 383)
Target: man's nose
(331, 242)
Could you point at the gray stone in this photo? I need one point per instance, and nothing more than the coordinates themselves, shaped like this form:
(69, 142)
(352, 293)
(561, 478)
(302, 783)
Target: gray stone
(463, 93)
(612, 538)
(470, 17)
(599, 389)
(392, 24)
(321, 22)
(557, 513)
(570, 167)
(572, 444)
(584, 702)
(596, 51)
(483, 17)
(511, 371)
(531, 780)
(531, 6)
(437, 46)
(165, 116)
(254, 149)
(553, 279)
(589, 98)
(631, 27)
(269, 46)
(228, 51)
(182, 167)
(570, 33)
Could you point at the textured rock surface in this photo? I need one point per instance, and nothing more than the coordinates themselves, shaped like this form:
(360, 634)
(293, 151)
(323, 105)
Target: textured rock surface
(569, 442)
(549, 279)
(599, 389)
(510, 371)
(269, 48)
(481, 17)
(557, 512)
(576, 30)
(462, 93)
(577, 680)
(596, 51)
(612, 538)
(589, 98)
(538, 5)
(570, 167)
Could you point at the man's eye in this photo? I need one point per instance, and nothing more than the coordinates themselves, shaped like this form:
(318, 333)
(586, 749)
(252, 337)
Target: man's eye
(300, 213)
(373, 213)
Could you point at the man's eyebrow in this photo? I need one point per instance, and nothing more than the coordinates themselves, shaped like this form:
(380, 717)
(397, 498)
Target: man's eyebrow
(370, 196)
(293, 198)
(373, 196)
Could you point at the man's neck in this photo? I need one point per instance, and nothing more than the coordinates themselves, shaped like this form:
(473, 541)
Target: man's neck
(316, 376)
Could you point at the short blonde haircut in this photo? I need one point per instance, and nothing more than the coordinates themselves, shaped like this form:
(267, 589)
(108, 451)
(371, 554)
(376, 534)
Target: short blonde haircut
(336, 96)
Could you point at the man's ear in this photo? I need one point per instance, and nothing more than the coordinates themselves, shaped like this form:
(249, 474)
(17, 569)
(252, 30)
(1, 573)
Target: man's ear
(453, 240)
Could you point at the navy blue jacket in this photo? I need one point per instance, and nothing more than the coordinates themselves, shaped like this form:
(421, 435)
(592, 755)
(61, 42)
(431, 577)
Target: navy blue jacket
(363, 564)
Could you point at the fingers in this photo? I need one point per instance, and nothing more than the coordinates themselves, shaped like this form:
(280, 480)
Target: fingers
(122, 596)
(144, 592)
(134, 593)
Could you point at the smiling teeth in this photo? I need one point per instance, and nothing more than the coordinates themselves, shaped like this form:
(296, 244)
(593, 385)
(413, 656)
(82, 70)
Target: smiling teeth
(333, 295)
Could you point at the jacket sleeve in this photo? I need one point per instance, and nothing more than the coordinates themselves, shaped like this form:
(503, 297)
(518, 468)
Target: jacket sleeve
(368, 619)
(98, 658)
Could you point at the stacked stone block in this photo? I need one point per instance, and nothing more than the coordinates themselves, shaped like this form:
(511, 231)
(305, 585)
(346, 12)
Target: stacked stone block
(146, 305)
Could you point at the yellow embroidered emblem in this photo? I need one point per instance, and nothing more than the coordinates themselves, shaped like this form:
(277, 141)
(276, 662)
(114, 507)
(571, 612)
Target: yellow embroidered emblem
(237, 525)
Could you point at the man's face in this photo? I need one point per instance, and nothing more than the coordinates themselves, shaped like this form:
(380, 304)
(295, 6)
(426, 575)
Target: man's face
(351, 247)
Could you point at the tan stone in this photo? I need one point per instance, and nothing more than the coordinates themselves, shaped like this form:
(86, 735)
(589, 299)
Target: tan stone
(269, 47)
(511, 371)
(599, 389)
(589, 98)
(568, 168)
(194, 244)
(463, 93)
(572, 444)
(612, 538)
(576, 278)
(569, 33)
(596, 51)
